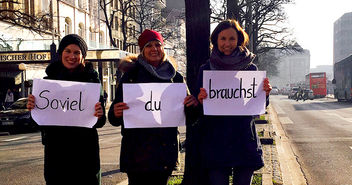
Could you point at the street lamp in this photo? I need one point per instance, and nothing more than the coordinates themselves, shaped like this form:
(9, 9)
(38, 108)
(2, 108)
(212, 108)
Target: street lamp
(23, 68)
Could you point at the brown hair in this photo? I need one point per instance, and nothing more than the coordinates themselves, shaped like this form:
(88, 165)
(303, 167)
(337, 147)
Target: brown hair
(243, 38)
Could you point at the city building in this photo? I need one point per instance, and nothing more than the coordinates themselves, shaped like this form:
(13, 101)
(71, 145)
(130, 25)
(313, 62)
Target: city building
(343, 37)
(292, 69)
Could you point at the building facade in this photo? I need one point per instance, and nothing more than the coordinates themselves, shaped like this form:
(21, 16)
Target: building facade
(342, 37)
(292, 69)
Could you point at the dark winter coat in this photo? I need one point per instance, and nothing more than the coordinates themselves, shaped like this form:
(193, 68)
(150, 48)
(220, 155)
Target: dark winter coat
(145, 149)
(228, 141)
(71, 154)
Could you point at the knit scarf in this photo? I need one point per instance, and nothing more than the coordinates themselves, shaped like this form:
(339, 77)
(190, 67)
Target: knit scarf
(239, 59)
(165, 71)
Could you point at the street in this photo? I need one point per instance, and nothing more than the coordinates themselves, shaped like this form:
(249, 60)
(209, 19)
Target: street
(21, 158)
(321, 134)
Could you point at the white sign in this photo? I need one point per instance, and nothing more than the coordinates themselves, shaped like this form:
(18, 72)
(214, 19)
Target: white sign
(234, 92)
(65, 103)
(154, 105)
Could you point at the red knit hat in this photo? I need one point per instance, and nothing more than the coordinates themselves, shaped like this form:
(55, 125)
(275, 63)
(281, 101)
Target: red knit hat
(147, 36)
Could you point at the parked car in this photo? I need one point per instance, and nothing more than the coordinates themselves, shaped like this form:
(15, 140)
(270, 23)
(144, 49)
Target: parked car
(274, 91)
(309, 93)
(17, 118)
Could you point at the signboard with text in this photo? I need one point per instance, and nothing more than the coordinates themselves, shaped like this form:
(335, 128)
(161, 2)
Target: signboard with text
(154, 105)
(234, 92)
(65, 103)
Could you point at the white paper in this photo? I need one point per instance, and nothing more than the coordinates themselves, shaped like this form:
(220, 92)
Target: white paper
(65, 103)
(234, 92)
(154, 105)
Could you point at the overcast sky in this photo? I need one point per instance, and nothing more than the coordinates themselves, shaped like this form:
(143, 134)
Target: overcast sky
(312, 22)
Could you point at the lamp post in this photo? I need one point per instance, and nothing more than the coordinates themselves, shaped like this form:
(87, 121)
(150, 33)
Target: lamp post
(22, 67)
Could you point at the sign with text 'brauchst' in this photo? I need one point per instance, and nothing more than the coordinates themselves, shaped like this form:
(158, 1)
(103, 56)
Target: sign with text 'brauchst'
(25, 56)
(234, 92)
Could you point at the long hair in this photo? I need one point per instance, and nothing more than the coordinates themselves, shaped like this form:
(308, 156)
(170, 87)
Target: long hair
(243, 38)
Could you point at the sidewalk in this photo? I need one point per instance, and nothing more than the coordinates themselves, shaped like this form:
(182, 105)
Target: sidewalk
(280, 163)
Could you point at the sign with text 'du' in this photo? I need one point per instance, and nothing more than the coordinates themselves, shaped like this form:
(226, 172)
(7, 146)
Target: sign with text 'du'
(234, 92)
(154, 105)
(65, 103)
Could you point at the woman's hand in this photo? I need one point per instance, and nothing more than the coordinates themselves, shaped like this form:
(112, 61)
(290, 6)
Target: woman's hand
(267, 87)
(98, 110)
(31, 102)
(118, 109)
(202, 95)
(190, 100)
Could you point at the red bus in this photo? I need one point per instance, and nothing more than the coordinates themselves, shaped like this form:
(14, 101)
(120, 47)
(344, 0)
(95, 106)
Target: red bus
(317, 83)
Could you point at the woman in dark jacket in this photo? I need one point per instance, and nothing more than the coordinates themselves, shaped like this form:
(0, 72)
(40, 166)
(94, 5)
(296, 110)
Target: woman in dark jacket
(148, 155)
(229, 144)
(71, 154)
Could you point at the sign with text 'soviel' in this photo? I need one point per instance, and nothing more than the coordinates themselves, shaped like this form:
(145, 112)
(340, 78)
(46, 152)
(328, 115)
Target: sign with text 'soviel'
(154, 105)
(65, 103)
(234, 92)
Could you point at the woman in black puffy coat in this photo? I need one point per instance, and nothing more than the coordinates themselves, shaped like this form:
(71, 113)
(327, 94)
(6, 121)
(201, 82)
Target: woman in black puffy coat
(229, 145)
(148, 155)
(71, 154)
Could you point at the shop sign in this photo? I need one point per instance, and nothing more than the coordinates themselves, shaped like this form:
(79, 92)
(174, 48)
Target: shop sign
(25, 57)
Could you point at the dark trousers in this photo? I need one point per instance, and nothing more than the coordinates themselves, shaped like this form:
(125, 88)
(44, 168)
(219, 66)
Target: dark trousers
(220, 176)
(142, 178)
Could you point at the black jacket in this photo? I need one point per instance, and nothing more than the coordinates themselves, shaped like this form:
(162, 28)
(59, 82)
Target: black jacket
(228, 141)
(72, 153)
(145, 149)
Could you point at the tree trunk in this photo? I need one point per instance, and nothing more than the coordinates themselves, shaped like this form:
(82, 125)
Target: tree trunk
(233, 11)
(197, 37)
(197, 41)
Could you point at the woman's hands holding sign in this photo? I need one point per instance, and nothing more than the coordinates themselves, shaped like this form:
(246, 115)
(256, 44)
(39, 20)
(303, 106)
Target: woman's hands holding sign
(30, 103)
(118, 109)
(98, 110)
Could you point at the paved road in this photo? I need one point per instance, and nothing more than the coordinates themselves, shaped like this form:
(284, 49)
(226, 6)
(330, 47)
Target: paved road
(321, 134)
(21, 158)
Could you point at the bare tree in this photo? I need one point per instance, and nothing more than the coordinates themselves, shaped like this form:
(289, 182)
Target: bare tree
(18, 14)
(112, 9)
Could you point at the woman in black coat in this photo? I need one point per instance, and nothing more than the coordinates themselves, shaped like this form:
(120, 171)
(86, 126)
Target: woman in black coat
(148, 155)
(229, 144)
(71, 154)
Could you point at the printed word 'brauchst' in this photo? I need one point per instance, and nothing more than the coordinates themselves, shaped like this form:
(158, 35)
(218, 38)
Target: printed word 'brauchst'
(229, 93)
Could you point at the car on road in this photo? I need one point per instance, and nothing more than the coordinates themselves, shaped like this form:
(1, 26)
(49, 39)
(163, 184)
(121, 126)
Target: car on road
(309, 93)
(17, 118)
(274, 91)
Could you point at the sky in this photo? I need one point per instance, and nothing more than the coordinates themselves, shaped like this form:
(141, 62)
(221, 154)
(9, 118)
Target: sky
(312, 23)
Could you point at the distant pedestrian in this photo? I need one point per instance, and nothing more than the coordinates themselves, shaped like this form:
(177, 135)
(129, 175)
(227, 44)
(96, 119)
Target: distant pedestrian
(71, 154)
(105, 97)
(229, 145)
(9, 98)
(148, 155)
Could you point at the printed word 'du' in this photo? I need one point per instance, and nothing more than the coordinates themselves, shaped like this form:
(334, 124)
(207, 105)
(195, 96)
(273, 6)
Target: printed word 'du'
(152, 105)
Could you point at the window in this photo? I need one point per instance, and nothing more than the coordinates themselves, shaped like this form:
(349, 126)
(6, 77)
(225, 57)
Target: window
(101, 37)
(91, 34)
(68, 25)
(81, 30)
(116, 23)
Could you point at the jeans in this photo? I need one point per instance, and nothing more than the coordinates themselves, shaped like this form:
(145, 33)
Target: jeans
(142, 178)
